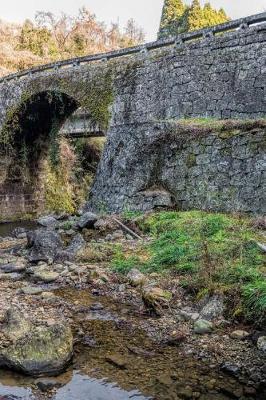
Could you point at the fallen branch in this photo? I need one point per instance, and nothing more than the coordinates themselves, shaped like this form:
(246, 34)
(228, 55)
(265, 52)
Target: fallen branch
(132, 233)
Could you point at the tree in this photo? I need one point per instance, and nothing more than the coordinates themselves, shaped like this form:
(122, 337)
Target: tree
(133, 33)
(195, 16)
(36, 40)
(178, 18)
(172, 17)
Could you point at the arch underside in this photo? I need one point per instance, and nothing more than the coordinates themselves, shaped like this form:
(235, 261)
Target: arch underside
(30, 133)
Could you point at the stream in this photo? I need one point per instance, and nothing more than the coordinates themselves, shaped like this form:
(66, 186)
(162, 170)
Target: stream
(116, 359)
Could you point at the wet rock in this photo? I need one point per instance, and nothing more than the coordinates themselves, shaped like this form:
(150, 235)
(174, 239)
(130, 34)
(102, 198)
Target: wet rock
(201, 326)
(117, 360)
(261, 343)
(35, 350)
(48, 222)
(87, 220)
(46, 384)
(230, 369)
(43, 245)
(155, 298)
(239, 334)
(213, 309)
(136, 278)
(9, 268)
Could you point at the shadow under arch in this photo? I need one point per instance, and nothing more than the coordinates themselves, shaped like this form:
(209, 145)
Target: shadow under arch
(30, 132)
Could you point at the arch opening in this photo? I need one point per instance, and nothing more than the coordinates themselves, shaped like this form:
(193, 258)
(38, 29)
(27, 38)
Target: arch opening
(29, 139)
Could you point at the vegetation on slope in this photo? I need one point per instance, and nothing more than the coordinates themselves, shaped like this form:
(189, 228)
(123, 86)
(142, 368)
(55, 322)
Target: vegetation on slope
(209, 252)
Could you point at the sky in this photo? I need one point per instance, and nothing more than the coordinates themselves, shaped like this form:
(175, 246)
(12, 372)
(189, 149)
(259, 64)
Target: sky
(146, 12)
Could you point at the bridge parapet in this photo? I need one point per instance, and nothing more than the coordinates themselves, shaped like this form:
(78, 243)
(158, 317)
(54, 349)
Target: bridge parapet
(257, 22)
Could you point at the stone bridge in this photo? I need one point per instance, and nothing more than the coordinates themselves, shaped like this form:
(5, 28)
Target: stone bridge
(135, 96)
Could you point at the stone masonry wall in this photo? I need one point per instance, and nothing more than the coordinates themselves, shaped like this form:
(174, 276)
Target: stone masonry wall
(157, 166)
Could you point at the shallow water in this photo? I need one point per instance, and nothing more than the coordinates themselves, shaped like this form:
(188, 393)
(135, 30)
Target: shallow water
(7, 228)
(147, 369)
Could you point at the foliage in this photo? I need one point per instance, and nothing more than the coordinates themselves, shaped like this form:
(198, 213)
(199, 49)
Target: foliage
(255, 298)
(50, 37)
(210, 251)
(177, 17)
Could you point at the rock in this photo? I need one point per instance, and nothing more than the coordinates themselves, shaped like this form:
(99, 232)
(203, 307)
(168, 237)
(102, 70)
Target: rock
(43, 245)
(105, 224)
(13, 276)
(48, 222)
(31, 290)
(87, 220)
(118, 234)
(9, 268)
(89, 341)
(239, 334)
(188, 316)
(213, 309)
(230, 369)
(175, 338)
(201, 326)
(48, 295)
(35, 350)
(261, 343)
(136, 278)
(45, 275)
(262, 246)
(76, 244)
(19, 233)
(96, 307)
(46, 384)
(117, 360)
(155, 298)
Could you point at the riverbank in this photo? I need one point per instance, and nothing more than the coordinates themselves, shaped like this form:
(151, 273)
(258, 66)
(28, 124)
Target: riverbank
(146, 309)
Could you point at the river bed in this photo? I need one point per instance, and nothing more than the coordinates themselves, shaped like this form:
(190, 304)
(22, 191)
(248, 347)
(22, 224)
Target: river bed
(116, 358)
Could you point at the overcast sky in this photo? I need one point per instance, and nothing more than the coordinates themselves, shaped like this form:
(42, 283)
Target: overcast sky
(145, 12)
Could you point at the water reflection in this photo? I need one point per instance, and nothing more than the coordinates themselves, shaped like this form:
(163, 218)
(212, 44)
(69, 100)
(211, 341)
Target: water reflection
(7, 229)
(84, 388)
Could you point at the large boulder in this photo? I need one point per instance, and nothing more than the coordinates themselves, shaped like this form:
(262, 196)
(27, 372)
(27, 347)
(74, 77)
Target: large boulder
(35, 350)
(43, 245)
(48, 222)
(213, 308)
(87, 220)
(69, 254)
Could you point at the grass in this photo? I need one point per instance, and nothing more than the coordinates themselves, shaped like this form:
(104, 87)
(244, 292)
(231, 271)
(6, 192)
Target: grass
(211, 252)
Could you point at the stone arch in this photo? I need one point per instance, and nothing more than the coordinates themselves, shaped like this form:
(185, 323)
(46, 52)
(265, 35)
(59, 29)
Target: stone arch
(30, 132)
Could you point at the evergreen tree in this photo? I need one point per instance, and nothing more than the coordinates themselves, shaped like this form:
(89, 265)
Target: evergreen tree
(178, 18)
(172, 17)
(195, 16)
